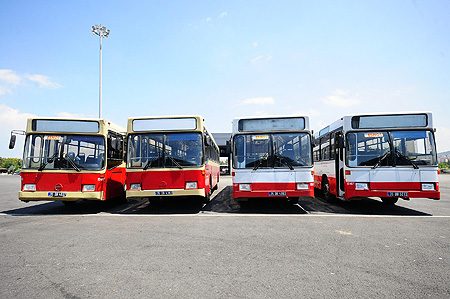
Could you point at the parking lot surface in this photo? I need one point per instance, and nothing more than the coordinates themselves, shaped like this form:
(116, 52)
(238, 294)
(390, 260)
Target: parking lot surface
(261, 249)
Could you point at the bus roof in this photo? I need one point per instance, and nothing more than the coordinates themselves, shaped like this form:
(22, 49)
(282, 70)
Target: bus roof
(301, 126)
(174, 123)
(386, 119)
(71, 125)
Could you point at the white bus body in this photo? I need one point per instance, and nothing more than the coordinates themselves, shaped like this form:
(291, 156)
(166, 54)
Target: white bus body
(272, 157)
(389, 155)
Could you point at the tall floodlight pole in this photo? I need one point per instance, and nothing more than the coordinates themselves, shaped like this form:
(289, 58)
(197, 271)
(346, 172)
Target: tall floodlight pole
(102, 32)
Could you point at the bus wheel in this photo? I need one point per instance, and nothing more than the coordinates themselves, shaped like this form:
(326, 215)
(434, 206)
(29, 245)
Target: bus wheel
(329, 197)
(389, 200)
(68, 203)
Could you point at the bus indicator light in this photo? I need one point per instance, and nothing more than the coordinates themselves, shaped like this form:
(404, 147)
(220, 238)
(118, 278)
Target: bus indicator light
(135, 187)
(244, 187)
(88, 188)
(29, 187)
(362, 186)
(428, 186)
(191, 185)
(302, 186)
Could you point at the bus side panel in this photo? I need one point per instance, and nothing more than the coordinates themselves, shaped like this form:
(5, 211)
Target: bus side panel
(212, 172)
(115, 181)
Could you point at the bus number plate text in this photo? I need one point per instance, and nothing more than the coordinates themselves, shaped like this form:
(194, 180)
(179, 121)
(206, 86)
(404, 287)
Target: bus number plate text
(277, 193)
(57, 194)
(397, 194)
(163, 192)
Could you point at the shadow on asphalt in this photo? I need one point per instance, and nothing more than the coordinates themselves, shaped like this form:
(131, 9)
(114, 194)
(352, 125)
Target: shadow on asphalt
(365, 206)
(58, 208)
(222, 202)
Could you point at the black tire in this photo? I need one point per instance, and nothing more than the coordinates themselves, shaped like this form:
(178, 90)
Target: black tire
(329, 197)
(389, 200)
(69, 203)
(207, 198)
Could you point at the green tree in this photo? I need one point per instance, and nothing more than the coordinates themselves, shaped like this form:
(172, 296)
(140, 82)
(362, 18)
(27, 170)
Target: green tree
(8, 162)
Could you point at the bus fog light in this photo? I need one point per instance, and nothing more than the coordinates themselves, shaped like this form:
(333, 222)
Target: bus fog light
(302, 186)
(428, 186)
(29, 187)
(135, 187)
(191, 185)
(244, 187)
(362, 186)
(88, 188)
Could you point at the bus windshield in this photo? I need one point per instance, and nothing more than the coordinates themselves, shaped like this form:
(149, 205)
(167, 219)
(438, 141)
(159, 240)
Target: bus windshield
(64, 152)
(282, 150)
(158, 150)
(391, 148)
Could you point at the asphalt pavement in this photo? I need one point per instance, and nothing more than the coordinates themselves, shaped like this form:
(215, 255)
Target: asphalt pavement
(183, 249)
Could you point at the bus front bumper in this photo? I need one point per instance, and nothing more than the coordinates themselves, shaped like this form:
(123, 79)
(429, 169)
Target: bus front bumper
(164, 193)
(406, 194)
(280, 194)
(59, 196)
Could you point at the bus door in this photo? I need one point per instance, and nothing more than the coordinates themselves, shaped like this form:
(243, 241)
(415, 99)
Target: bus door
(339, 163)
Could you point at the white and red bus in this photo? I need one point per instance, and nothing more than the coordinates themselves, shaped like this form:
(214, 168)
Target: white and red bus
(272, 157)
(171, 156)
(70, 159)
(389, 155)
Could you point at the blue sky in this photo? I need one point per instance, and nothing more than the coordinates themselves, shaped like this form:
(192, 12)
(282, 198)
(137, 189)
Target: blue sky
(224, 59)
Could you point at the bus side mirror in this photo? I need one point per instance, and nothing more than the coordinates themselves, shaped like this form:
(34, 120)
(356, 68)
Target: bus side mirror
(12, 141)
(207, 140)
(228, 148)
(340, 141)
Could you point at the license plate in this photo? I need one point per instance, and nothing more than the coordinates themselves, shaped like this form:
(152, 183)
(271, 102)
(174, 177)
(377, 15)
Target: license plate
(277, 193)
(397, 194)
(163, 192)
(57, 194)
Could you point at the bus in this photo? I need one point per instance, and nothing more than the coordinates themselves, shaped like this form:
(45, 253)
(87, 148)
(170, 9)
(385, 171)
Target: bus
(272, 158)
(71, 159)
(388, 155)
(171, 156)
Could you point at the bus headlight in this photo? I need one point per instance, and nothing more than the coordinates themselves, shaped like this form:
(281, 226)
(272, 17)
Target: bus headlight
(361, 186)
(244, 187)
(428, 186)
(29, 187)
(302, 186)
(88, 188)
(135, 187)
(191, 185)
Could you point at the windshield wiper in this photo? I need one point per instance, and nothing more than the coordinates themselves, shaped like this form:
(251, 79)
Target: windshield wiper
(259, 161)
(400, 155)
(71, 162)
(49, 160)
(381, 159)
(175, 162)
(284, 161)
(150, 161)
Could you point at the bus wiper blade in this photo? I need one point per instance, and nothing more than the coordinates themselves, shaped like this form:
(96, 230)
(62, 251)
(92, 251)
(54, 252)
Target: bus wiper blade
(150, 161)
(284, 161)
(175, 162)
(400, 155)
(71, 162)
(49, 160)
(381, 159)
(259, 161)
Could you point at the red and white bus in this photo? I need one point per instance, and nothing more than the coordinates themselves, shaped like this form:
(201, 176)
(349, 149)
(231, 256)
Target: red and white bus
(389, 155)
(272, 157)
(171, 156)
(70, 159)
